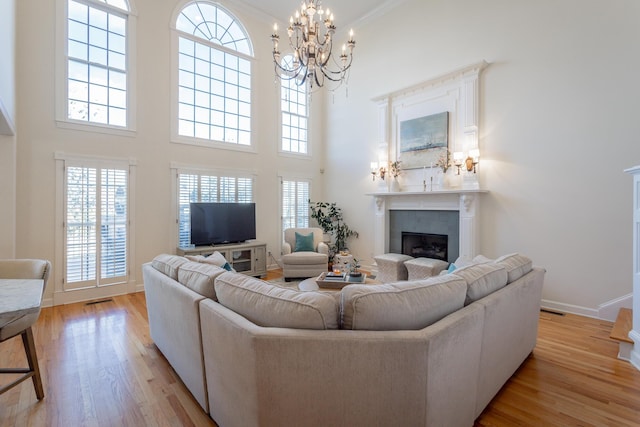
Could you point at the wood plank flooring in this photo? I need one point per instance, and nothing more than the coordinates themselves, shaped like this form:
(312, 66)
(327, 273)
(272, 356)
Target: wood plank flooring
(101, 368)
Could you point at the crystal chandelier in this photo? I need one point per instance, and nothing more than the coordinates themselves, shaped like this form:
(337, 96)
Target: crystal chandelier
(312, 62)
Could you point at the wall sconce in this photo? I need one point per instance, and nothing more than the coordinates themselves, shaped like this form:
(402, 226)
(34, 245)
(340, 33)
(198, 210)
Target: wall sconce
(458, 158)
(472, 160)
(377, 171)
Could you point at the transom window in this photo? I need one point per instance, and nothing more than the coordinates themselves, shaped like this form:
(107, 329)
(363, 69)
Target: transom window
(214, 75)
(295, 115)
(97, 62)
(203, 187)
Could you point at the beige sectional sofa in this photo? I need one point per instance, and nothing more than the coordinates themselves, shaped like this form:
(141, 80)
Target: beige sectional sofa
(430, 352)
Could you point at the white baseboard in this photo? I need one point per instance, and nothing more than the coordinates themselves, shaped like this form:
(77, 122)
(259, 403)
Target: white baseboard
(609, 310)
(569, 308)
(606, 311)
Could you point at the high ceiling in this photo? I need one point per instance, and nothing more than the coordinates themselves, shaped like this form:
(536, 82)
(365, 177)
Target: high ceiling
(346, 11)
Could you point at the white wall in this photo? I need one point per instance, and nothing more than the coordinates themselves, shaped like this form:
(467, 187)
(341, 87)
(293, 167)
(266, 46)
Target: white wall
(559, 102)
(7, 142)
(39, 137)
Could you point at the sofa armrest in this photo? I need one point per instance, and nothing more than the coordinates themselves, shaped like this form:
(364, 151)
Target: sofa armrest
(286, 248)
(323, 248)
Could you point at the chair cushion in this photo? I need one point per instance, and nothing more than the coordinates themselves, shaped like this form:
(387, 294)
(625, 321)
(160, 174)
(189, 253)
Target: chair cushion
(200, 277)
(268, 305)
(304, 243)
(168, 264)
(305, 258)
(481, 279)
(403, 305)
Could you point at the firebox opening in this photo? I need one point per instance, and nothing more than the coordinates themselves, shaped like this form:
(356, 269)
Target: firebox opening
(425, 245)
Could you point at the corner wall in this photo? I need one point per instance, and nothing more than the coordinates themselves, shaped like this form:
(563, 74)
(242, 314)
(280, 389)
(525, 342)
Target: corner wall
(558, 103)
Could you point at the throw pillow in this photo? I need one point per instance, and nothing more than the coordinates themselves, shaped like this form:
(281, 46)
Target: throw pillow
(304, 243)
(452, 268)
(215, 258)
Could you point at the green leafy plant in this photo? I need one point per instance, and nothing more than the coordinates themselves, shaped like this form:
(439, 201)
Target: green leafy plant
(329, 218)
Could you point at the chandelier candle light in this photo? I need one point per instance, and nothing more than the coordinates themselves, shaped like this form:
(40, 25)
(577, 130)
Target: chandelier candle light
(313, 63)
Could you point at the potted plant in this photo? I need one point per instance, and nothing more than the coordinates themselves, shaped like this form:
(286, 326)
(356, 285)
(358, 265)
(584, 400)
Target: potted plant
(330, 220)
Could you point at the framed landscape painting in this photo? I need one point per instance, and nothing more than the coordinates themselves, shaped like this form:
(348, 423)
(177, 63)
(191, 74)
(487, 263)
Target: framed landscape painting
(423, 140)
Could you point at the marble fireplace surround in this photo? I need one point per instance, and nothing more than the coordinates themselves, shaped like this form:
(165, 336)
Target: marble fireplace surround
(466, 202)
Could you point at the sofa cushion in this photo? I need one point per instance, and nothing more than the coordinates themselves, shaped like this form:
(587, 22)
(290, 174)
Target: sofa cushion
(481, 279)
(516, 265)
(272, 306)
(403, 305)
(305, 258)
(200, 277)
(168, 264)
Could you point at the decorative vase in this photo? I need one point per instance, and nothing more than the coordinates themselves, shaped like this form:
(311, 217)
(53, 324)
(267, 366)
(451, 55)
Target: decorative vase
(395, 185)
(438, 180)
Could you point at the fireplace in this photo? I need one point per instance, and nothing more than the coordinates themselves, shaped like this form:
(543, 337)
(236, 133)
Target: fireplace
(431, 231)
(425, 245)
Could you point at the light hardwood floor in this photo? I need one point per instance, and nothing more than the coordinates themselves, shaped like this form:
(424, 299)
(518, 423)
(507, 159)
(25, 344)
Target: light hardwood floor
(101, 368)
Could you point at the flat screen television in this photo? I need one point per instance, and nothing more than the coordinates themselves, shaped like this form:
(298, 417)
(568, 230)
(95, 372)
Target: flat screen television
(217, 223)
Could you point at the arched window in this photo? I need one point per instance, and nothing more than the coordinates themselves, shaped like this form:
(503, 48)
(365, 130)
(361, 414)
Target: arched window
(294, 113)
(214, 75)
(97, 62)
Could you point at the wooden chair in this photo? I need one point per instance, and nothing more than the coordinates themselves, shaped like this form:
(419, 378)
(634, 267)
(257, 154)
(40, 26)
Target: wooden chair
(21, 325)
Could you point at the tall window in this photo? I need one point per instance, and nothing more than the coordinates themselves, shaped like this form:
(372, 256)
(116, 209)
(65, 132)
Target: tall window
(96, 225)
(97, 62)
(195, 187)
(295, 204)
(295, 115)
(214, 75)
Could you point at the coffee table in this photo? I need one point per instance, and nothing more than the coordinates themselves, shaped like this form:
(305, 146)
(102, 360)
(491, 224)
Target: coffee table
(317, 283)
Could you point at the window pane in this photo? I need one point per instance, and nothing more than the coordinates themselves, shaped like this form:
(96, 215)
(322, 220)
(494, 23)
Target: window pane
(97, 55)
(215, 76)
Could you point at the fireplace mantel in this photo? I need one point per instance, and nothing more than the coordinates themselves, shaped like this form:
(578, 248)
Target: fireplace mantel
(467, 202)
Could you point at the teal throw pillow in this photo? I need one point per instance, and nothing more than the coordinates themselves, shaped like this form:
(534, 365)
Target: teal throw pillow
(227, 266)
(304, 243)
(452, 268)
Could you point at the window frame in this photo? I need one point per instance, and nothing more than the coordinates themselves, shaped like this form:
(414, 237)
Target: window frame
(97, 287)
(179, 169)
(62, 64)
(281, 150)
(175, 53)
(292, 178)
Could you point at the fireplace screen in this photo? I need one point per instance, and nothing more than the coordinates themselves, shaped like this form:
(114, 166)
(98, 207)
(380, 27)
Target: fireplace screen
(425, 245)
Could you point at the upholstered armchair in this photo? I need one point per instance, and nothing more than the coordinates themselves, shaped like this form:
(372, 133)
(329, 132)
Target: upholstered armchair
(21, 324)
(304, 254)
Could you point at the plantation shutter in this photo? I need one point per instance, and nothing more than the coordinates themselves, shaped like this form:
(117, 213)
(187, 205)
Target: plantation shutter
(295, 204)
(199, 187)
(96, 226)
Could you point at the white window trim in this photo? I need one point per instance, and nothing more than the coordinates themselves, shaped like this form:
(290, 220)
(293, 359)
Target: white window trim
(61, 64)
(287, 176)
(293, 154)
(182, 168)
(60, 295)
(175, 136)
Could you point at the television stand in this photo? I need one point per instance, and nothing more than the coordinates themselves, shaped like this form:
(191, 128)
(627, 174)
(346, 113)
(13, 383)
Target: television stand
(248, 258)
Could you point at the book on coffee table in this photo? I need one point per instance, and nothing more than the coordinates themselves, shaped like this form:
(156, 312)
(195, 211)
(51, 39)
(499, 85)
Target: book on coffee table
(333, 282)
